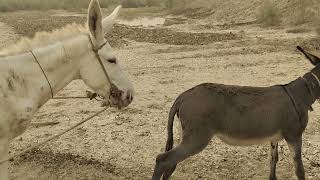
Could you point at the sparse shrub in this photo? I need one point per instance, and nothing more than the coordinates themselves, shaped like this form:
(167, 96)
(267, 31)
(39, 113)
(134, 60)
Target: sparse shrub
(302, 12)
(12, 5)
(177, 4)
(169, 3)
(269, 14)
(141, 3)
(316, 18)
(318, 29)
(151, 3)
(133, 3)
(298, 30)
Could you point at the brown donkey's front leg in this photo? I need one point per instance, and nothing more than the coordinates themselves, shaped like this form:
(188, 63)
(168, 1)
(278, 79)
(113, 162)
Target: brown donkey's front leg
(295, 149)
(273, 161)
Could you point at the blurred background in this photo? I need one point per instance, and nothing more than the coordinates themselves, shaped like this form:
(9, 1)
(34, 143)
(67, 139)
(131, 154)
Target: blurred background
(270, 12)
(167, 47)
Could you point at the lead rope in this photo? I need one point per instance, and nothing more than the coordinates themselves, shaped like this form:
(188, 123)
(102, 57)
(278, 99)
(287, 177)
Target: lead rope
(90, 95)
(35, 58)
(315, 76)
(54, 137)
(294, 103)
(96, 52)
(114, 90)
(310, 91)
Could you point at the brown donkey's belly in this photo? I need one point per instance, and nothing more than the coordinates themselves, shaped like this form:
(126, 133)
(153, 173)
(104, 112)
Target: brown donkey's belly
(236, 141)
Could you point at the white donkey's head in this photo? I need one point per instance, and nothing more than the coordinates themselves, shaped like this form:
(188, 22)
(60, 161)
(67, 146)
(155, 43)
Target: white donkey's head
(100, 69)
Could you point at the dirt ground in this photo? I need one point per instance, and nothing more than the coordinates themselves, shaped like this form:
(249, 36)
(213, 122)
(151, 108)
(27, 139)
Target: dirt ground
(163, 61)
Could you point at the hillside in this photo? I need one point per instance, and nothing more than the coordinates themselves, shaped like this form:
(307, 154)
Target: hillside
(230, 11)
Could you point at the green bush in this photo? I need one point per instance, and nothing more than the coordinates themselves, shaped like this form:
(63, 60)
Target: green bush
(269, 14)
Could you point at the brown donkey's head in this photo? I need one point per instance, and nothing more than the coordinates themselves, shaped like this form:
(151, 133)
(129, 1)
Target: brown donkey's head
(314, 74)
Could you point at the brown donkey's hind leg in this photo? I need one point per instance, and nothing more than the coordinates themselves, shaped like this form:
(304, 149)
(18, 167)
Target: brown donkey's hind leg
(273, 161)
(190, 145)
(295, 149)
(167, 174)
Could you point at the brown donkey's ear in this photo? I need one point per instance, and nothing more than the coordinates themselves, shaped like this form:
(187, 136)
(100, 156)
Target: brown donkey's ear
(312, 58)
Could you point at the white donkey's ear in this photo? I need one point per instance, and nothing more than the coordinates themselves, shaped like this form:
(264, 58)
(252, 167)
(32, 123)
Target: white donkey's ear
(109, 21)
(95, 21)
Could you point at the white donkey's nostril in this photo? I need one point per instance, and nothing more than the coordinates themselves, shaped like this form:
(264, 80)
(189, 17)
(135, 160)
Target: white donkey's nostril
(129, 96)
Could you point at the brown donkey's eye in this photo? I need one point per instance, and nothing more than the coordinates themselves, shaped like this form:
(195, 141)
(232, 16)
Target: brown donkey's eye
(112, 60)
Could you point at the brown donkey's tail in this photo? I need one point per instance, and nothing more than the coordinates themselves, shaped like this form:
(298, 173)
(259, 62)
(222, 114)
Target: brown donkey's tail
(173, 111)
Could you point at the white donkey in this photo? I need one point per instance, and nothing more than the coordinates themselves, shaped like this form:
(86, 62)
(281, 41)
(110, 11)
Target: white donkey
(33, 70)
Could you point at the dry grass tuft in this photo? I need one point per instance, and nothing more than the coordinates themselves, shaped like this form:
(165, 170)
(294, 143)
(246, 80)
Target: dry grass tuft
(141, 3)
(269, 14)
(13, 5)
(302, 13)
(298, 30)
(174, 3)
(316, 23)
(317, 28)
(133, 3)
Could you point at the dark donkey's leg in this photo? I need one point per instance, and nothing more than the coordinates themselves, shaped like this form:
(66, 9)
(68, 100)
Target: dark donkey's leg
(273, 161)
(295, 147)
(190, 145)
(167, 174)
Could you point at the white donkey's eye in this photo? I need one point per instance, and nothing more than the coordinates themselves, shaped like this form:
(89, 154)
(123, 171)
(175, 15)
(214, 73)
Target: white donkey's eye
(112, 60)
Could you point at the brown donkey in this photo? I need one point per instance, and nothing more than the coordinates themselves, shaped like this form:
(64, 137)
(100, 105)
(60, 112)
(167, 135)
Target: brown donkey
(242, 116)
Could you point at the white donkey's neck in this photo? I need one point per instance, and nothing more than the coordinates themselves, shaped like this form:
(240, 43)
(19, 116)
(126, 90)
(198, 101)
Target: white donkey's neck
(60, 62)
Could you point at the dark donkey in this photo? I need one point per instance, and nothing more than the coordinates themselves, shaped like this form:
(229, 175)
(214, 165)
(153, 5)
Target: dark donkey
(242, 116)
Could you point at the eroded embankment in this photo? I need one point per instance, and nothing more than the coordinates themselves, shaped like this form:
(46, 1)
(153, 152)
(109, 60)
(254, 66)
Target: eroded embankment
(35, 22)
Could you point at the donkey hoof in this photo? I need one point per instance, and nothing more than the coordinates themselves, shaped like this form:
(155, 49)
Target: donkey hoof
(272, 178)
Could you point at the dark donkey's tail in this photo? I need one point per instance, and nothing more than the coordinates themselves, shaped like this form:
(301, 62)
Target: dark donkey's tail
(173, 111)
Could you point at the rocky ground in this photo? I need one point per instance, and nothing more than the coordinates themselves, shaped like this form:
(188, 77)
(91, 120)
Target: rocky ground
(163, 61)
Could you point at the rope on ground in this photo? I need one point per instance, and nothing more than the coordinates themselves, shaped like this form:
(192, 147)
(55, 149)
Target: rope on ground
(89, 95)
(54, 137)
(73, 97)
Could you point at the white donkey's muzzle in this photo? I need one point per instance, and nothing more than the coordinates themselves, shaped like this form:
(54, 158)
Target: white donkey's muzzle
(119, 98)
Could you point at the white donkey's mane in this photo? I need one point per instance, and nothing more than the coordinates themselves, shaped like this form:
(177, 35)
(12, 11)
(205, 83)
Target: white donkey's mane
(42, 39)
